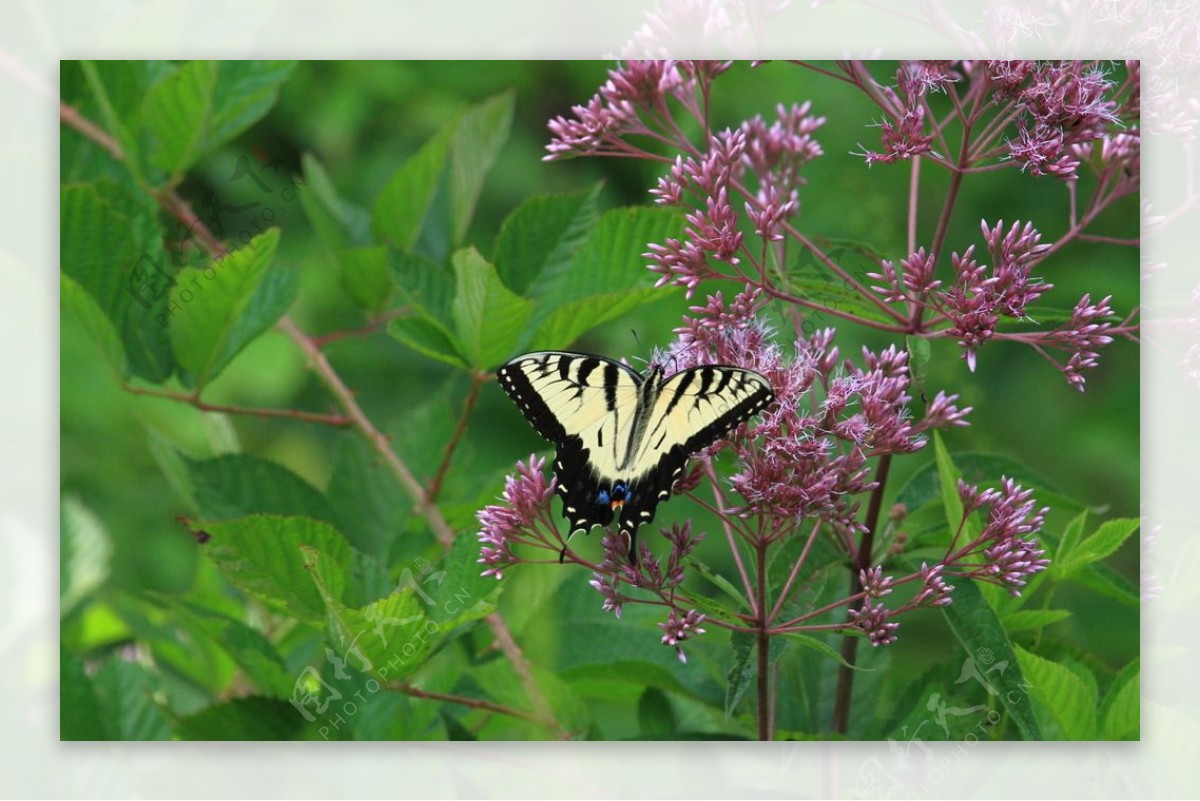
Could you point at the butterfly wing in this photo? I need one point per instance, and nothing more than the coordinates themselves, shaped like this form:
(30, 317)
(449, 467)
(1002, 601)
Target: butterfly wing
(586, 405)
(694, 409)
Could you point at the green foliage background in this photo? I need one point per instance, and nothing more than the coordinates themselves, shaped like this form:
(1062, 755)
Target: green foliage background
(158, 644)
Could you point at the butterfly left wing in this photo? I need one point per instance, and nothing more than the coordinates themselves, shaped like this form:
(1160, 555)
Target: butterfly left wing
(586, 405)
(694, 409)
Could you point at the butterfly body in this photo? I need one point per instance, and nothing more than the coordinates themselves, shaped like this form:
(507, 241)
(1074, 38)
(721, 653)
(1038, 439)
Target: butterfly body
(623, 438)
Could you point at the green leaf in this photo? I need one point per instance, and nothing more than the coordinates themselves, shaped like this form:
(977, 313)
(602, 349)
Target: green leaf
(86, 553)
(428, 204)
(428, 289)
(489, 319)
(126, 694)
(745, 665)
(948, 476)
(1120, 712)
(238, 485)
(1036, 619)
(837, 297)
(111, 246)
(1072, 534)
(538, 241)
(75, 300)
(79, 713)
(458, 591)
(919, 354)
(982, 469)
(1101, 544)
(217, 310)
(1064, 695)
(478, 137)
(366, 277)
(389, 638)
(724, 584)
(428, 337)
(824, 648)
(572, 320)
(656, 719)
(201, 105)
(605, 279)
(252, 718)
(369, 504)
(977, 627)
(1101, 578)
(252, 651)
(401, 208)
(337, 222)
(261, 555)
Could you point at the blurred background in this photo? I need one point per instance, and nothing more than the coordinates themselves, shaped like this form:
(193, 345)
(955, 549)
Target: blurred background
(362, 120)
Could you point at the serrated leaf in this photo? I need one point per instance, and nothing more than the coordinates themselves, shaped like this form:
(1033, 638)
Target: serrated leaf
(1120, 713)
(538, 241)
(252, 651)
(919, 354)
(744, 669)
(1072, 534)
(238, 485)
(724, 584)
(459, 591)
(982, 469)
(126, 695)
(218, 310)
(570, 321)
(428, 337)
(86, 552)
(389, 638)
(489, 319)
(948, 476)
(111, 246)
(610, 259)
(200, 105)
(251, 718)
(1064, 695)
(1100, 544)
(824, 648)
(1036, 619)
(980, 631)
(1101, 578)
(78, 303)
(338, 222)
(366, 278)
(261, 555)
(836, 296)
(400, 210)
(478, 137)
(367, 501)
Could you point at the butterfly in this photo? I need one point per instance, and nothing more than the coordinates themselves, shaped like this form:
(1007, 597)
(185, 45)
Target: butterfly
(622, 438)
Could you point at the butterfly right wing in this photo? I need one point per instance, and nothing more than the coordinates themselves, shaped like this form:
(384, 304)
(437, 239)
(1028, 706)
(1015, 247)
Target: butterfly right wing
(586, 405)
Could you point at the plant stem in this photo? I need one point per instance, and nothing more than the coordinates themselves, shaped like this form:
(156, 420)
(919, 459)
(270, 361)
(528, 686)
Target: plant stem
(474, 703)
(845, 687)
(435, 485)
(764, 645)
(335, 420)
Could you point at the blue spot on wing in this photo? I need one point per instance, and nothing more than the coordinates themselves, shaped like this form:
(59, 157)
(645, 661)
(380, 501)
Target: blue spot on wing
(602, 497)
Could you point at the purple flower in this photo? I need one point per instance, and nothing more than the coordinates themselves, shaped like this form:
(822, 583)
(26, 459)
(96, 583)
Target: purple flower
(874, 583)
(873, 621)
(527, 496)
(934, 589)
(1007, 551)
(677, 629)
